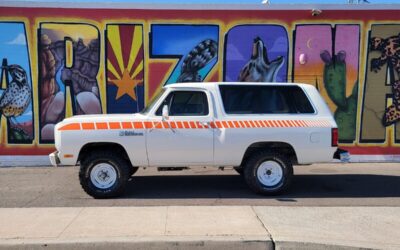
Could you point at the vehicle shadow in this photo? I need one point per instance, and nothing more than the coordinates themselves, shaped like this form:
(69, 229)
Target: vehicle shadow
(233, 186)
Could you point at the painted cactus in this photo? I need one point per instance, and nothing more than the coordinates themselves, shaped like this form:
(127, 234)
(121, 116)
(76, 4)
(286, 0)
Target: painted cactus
(335, 85)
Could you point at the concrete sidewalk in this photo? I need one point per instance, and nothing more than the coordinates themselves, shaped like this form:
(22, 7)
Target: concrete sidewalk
(200, 227)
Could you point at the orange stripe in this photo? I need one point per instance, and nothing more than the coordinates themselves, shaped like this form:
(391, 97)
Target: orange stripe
(126, 125)
(71, 126)
(172, 124)
(193, 125)
(156, 125)
(88, 126)
(212, 125)
(138, 125)
(148, 125)
(186, 125)
(114, 125)
(285, 124)
(256, 124)
(167, 124)
(252, 125)
(101, 125)
(247, 124)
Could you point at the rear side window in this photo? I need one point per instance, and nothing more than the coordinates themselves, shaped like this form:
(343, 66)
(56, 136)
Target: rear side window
(185, 103)
(250, 99)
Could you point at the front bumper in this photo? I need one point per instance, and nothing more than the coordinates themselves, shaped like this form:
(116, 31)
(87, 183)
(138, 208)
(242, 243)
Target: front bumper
(55, 161)
(342, 155)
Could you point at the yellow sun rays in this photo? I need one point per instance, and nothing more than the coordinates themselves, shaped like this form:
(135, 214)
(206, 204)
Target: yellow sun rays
(125, 83)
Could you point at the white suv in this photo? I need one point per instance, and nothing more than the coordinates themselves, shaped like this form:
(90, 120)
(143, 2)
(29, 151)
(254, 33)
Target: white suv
(260, 129)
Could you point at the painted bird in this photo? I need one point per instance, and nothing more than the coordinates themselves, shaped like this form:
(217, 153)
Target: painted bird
(16, 98)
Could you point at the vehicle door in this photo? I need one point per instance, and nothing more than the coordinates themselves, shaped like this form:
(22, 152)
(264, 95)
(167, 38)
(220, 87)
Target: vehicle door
(185, 137)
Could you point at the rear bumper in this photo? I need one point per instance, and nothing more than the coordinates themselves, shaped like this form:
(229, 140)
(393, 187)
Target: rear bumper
(55, 161)
(342, 155)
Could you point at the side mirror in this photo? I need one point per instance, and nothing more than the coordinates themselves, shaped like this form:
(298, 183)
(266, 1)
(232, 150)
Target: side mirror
(165, 114)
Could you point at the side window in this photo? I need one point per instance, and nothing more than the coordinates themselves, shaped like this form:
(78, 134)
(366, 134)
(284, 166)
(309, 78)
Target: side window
(185, 103)
(242, 99)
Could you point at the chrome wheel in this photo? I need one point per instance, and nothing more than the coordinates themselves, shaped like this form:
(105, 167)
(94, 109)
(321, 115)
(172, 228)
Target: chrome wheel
(103, 175)
(270, 173)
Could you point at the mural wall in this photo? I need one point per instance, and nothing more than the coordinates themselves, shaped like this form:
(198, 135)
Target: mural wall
(62, 62)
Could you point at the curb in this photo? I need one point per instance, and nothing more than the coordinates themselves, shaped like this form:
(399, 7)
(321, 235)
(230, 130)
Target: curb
(178, 243)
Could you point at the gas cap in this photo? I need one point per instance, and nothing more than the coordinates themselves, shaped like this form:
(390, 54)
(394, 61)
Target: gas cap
(314, 137)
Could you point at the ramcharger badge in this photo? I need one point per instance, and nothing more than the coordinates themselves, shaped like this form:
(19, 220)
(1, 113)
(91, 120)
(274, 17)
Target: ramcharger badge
(129, 133)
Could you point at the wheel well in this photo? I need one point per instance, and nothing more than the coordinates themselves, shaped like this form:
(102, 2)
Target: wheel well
(280, 147)
(115, 147)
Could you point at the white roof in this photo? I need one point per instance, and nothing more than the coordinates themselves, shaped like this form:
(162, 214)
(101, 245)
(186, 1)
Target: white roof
(206, 85)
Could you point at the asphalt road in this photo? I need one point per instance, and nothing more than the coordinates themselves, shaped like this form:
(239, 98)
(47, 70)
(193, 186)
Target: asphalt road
(367, 184)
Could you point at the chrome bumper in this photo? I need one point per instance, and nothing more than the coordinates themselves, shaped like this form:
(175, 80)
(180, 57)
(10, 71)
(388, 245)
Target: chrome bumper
(55, 161)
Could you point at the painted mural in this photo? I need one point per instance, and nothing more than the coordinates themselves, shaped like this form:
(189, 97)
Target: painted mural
(16, 85)
(331, 55)
(380, 117)
(124, 68)
(69, 56)
(56, 63)
(259, 56)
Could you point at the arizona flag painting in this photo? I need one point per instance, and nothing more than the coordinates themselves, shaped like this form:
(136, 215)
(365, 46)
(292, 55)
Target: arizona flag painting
(124, 64)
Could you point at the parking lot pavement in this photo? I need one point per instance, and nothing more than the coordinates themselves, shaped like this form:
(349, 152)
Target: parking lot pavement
(367, 184)
(329, 206)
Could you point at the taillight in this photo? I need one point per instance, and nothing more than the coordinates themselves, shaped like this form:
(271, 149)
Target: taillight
(335, 137)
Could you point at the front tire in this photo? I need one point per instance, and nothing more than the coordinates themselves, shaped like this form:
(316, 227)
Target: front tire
(268, 173)
(104, 174)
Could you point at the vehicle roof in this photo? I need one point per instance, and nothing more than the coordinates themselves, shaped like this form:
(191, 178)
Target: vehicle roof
(213, 84)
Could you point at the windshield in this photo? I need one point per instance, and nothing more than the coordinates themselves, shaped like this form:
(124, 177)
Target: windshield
(151, 104)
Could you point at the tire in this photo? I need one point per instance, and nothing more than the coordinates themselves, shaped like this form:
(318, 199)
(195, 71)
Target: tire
(133, 170)
(268, 173)
(104, 174)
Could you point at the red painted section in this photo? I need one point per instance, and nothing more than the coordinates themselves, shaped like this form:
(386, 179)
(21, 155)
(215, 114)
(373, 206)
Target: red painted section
(156, 73)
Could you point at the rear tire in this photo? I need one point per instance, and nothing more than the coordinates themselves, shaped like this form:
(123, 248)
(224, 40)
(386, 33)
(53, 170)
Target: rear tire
(104, 174)
(268, 173)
